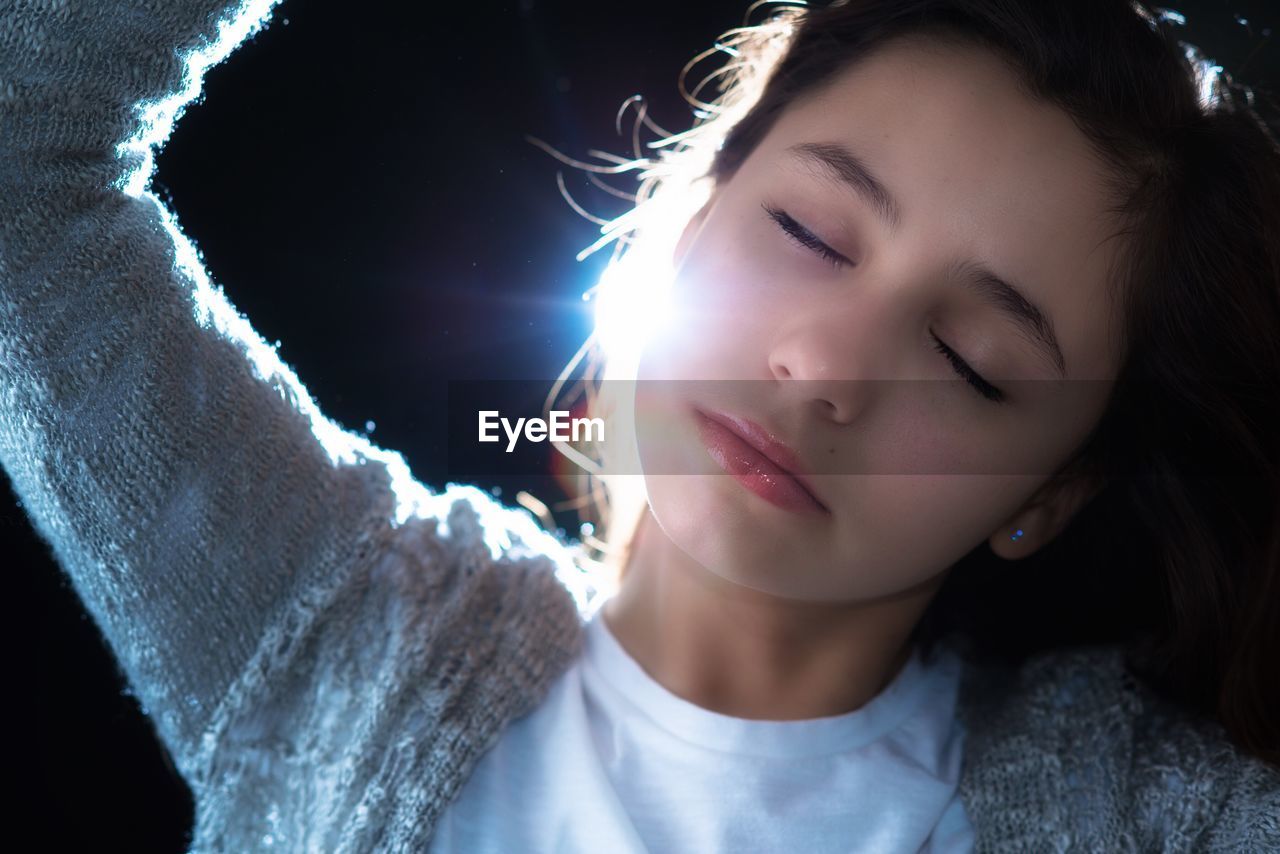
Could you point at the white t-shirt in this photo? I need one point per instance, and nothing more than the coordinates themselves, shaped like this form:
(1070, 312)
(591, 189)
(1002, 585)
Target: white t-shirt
(612, 761)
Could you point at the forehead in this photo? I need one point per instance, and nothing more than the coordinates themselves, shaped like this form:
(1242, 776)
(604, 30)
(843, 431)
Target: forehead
(981, 172)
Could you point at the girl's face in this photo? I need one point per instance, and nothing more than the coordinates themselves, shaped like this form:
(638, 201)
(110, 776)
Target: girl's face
(915, 177)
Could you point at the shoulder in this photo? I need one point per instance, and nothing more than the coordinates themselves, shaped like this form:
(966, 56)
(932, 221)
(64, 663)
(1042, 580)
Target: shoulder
(1075, 687)
(391, 681)
(465, 537)
(1191, 785)
(1112, 759)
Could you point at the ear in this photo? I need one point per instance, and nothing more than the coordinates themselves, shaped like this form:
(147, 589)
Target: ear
(691, 229)
(1044, 516)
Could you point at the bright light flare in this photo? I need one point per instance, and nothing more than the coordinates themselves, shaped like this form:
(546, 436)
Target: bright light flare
(633, 302)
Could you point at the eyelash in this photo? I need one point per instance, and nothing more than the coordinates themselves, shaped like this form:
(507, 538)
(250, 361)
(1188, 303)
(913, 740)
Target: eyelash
(808, 240)
(983, 387)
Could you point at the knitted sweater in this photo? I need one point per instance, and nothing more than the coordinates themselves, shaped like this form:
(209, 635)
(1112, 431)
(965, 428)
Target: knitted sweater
(326, 647)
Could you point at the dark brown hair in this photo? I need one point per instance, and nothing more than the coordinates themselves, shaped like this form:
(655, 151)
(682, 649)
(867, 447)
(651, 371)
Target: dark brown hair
(1178, 556)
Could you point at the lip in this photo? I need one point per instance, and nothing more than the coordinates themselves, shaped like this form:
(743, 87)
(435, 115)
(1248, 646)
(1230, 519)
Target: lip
(758, 460)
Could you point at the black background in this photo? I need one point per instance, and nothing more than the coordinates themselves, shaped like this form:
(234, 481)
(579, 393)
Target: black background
(358, 180)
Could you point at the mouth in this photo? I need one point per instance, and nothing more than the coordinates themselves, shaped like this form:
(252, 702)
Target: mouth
(758, 460)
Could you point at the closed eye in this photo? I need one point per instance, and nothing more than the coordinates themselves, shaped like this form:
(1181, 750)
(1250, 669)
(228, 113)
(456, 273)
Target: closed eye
(806, 239)
(970, 376)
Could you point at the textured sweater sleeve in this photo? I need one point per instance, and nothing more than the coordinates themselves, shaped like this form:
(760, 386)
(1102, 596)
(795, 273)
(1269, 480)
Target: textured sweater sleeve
(270, 584)
(177, 469)
(1070, 752)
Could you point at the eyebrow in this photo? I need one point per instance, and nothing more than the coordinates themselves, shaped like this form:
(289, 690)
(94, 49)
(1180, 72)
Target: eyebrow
(846, 168)
(1007, 299)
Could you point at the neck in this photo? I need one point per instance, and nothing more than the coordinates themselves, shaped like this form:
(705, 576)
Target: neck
(741, 652)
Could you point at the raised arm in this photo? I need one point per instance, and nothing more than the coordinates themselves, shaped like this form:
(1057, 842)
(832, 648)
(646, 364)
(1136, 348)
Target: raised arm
(180, 473)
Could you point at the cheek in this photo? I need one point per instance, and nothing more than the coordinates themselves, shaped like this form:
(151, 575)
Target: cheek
(900, 530)
(727, 290)
(957, 509)
(925, 428)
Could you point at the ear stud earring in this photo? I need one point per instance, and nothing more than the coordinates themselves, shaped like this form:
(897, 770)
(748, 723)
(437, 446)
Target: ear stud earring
(1016, 536)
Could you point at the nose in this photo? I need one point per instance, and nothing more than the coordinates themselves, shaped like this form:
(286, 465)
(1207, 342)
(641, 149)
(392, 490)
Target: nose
(820, 355)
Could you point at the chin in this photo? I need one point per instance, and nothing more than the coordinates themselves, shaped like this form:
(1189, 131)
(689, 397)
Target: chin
(736, 536)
